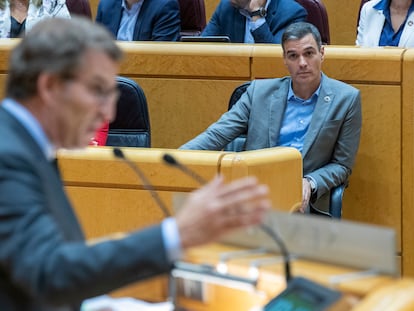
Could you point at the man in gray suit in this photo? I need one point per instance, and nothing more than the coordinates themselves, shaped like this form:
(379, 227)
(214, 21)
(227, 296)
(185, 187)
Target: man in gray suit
(60, 88)
(319, 116)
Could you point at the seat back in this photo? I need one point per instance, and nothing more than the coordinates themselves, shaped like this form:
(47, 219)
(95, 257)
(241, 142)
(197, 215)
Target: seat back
(79, 7)
(238, 143)
(131, 127)
(318, 16)
(193, 17)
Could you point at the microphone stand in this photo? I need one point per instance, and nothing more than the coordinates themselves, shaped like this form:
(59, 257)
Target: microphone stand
(170, 160)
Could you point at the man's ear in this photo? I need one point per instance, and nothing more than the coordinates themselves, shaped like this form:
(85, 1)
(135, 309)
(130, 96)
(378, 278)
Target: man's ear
(322, 53)
(48, 87)
(284, 59)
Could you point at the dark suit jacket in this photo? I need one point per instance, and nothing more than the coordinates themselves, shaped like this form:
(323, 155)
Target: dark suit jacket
(227, 21)
(44, 262)
(158, 20)
(331, 142)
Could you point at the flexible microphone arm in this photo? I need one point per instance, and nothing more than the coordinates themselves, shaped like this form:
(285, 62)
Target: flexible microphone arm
(169, 159)
(145, 182)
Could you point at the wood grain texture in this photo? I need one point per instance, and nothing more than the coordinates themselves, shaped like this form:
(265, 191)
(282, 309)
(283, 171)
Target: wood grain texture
(407, 216)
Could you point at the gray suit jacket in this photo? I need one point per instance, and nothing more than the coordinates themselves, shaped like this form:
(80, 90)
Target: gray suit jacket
(44, 262)
(330, 144)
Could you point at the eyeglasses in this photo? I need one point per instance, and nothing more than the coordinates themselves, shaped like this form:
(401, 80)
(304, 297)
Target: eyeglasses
(104, 95)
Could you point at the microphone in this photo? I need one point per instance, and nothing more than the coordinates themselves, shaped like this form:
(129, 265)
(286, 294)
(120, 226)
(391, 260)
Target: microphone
(118, 153)
(170, 160)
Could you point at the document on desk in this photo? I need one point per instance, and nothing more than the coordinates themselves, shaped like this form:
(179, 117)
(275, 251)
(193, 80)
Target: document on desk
(107, 303)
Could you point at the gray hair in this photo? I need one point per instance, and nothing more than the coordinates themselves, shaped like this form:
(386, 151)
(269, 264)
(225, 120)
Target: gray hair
(55, 46)
(299, 30)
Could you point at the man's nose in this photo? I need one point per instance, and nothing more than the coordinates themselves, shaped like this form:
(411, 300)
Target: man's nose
(302, 61)
(108, 111)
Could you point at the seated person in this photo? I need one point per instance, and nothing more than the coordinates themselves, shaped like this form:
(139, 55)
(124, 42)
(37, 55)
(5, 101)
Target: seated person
(386, 23)
(307, 110)
(19, 16)
(141, 20)
(255, 21)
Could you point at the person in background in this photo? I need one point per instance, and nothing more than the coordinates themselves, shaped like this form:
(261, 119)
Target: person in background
(141, 20)
(19, 16)
(254, 21)
(60, 87)
(307, 110)
(386, 23)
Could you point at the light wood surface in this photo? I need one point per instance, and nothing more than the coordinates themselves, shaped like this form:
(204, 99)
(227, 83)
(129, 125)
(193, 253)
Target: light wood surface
(408, 163)
(104, 188)
(108, 197)
(271, 281)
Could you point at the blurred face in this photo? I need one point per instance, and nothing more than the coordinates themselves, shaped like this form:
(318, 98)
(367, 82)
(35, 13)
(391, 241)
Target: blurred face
(303, 59)
(81, 105)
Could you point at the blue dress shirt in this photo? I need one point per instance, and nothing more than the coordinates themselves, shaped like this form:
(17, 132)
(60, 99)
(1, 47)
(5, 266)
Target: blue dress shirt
(296, 119)
(128, 21)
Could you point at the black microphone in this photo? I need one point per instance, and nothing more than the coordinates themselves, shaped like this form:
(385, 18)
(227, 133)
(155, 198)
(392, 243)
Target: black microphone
(169, 159)
(145, 182)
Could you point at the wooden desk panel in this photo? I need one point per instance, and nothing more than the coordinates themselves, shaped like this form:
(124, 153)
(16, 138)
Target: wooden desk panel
(180, 59)
(180, 109)
(408, 163)
(109, 198)
(364, 65)
(374, 192)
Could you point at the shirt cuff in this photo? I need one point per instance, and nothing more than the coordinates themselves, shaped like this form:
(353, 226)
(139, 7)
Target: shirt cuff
(171, 239)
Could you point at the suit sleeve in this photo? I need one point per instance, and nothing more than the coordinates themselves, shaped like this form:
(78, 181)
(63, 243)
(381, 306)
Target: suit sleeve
(98, 17)
(167, 22)
(272, 30)
(213, 27)
(38, 260)
(338, 169)
(362, 26)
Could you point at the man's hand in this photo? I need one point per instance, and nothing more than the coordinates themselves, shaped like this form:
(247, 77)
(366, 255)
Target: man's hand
(306, 195)
(248, 5)
(217, 208)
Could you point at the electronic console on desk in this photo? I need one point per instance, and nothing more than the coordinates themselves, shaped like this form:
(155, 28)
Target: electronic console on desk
(304, 295)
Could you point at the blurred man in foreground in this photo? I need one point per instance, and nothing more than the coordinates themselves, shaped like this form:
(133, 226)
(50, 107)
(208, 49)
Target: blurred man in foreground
(61, 87)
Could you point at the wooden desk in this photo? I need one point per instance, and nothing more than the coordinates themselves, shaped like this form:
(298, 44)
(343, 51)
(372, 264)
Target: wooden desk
(108, 197)
(271, 281)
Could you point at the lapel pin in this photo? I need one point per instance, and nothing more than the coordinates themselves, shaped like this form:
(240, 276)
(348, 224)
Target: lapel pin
(327, 99)
(410, 23)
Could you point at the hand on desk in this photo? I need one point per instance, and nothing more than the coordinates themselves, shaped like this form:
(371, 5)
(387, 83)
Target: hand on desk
(217, 208)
